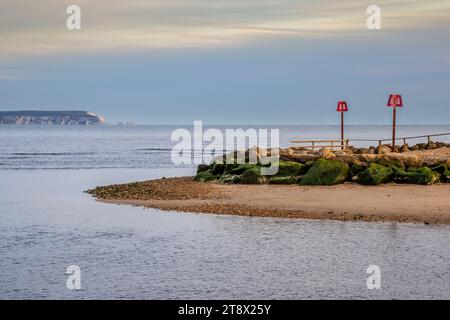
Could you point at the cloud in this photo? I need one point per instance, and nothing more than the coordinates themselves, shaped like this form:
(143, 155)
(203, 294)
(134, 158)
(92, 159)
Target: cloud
(38, 27)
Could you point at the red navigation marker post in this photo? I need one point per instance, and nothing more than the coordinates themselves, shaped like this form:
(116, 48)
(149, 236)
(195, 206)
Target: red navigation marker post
(395, 100)
(342, 107)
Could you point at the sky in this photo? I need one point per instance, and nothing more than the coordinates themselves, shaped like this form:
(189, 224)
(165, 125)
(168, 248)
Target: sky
(228, 62)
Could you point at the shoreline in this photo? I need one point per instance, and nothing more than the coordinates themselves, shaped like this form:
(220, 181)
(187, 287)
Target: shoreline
(344, 202)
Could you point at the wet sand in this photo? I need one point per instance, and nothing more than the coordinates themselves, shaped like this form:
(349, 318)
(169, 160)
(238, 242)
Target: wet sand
(390, 202)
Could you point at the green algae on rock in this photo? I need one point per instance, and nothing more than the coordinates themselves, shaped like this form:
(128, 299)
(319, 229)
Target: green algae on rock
(326, 172)
(284, 180)
(375, 174)
(328, 168)
(423, 175)
(204, 176)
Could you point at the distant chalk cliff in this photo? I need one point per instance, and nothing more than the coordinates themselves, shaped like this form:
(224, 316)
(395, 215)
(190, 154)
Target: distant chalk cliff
(50, 117)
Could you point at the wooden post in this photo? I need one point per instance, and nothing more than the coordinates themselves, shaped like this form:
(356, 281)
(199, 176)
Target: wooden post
(342, 130)
(380, 143)
(394, 123)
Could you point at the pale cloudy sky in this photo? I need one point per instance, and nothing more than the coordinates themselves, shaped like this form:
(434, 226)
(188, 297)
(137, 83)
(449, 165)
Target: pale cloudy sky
(247, 61)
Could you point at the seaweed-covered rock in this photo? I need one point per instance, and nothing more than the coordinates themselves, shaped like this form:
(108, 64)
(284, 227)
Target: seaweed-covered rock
(375, 174)
(229, 178)
(204, 176)
(446, 175)
(240, 168)
(202, 167)
(284, 180)
(390, 162)
(400, 175)
(439, 168)
(423, 175)
(252, 176)
(326, 172)
(308, 165)
(290, 168)
(358, 167)
(229, 167)
(218, 168)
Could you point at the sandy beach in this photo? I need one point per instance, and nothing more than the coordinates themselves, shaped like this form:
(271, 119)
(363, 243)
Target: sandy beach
(389, 202)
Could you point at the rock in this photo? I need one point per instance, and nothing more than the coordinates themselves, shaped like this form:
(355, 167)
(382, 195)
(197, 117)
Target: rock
(238, 169)
(383, 149)
(204, 176)
(303, 158)
(423, 175)
(410, 160)
(439, 168)
(230, 158)
(389, 160)
(446, 175)
(229, 178)
(400, 175)
(219, 159)
(308, 165)
(326, 172)
(284, 180)
(347, 158)
(429, 161)
(287, 152)
(358, 167)
(252, 176)
(365, 151)
(327, 154)
(230, 166)
(405, 148)
(350, 149)
(396, 149)
(431, 146)
(218, 168)
(369, 158)
(252, 154)
(375, 174)
(290, 168)
(202, 167)
(422, 146)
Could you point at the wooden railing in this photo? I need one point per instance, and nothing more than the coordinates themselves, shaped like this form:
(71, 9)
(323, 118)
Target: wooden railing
(404, 139)
(345, 144)
(319, 144)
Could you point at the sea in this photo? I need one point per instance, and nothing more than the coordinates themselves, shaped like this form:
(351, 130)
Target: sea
(48, 225)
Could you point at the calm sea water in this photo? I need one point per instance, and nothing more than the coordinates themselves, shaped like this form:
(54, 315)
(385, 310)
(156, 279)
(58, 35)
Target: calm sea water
(80, 147)
(47, 223)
